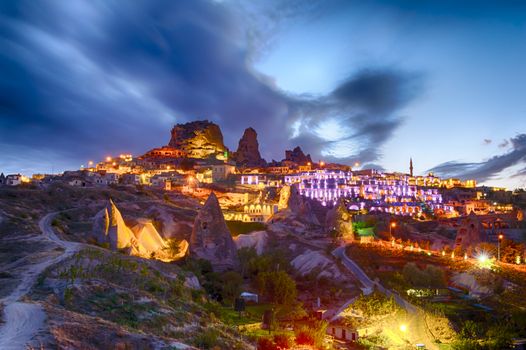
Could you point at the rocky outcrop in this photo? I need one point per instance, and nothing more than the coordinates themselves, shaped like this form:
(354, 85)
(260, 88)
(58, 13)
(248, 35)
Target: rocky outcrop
(247, 154)
(339, 220)
(109, 227)
(297, 156)
(198, 139)
(291, 199)
(315, 261)
(211, 240)
(257, 240)
(142, 240)
(470, 233)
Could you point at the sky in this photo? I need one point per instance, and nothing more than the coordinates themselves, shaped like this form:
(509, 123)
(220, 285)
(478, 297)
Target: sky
(375, 82)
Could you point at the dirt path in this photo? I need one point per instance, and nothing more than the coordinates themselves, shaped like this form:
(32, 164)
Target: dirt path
(24, 320)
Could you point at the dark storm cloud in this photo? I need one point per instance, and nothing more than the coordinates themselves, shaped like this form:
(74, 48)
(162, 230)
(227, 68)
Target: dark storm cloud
(80, 79)
(367, 106)
(486, 170)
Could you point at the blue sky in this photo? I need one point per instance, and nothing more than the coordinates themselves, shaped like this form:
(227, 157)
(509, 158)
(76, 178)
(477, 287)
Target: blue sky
(370, 81)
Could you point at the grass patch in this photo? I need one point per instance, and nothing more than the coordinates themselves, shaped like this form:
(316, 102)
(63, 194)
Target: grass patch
(240, 228)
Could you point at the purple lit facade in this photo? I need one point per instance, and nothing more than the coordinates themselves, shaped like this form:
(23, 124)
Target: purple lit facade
(377, 191)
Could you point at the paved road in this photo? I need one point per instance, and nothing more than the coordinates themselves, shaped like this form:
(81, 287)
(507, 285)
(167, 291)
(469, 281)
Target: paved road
(24, 320)
(417, 316)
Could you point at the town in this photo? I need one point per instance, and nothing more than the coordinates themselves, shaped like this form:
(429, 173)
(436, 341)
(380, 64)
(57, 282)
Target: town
(297, 253)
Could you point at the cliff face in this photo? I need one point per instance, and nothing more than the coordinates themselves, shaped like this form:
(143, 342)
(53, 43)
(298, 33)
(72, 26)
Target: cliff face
(247, 153)
(297, 156)
(199, 139)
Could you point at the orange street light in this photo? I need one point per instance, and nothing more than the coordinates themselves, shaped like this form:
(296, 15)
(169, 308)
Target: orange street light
(501, 236)
(391, 227)
(356, 165)
(322, 163)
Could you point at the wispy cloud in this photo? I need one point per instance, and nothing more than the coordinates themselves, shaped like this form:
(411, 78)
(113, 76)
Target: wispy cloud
(487, 169)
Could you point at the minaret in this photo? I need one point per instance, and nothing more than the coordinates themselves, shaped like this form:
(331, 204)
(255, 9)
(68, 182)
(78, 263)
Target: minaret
(411, 167)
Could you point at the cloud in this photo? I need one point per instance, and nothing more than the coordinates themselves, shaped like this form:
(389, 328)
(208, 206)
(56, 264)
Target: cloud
(487, 169)
(86, 79)
(487, 141)
(504, 144)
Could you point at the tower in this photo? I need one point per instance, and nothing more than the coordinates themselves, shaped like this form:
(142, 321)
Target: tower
(411, 167)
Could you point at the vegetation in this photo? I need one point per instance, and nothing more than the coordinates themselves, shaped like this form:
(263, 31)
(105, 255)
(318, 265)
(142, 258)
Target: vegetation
(277, 286)
(239, 227)
(374, 305)
(311, 333)
(431, 277)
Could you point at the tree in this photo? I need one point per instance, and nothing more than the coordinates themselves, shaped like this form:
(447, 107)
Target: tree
(277, 286)
(232, 282)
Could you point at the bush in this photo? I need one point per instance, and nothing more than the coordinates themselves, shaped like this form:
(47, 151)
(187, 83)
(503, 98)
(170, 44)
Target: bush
(277, 286)
(266, 344)
(312, 334)
(283, 341)
(207, 339)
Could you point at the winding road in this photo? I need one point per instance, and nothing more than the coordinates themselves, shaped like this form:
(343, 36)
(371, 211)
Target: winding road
(24, 320)
(420, 330)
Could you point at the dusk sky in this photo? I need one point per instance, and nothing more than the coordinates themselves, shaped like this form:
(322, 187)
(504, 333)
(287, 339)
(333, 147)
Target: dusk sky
(378, 82)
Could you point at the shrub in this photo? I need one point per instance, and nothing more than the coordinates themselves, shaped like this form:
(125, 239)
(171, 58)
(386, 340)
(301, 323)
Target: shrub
(283, 341)
(266, 344)
(207, 339)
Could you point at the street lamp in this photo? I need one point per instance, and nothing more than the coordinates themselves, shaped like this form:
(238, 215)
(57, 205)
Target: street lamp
(391, 227)
(403, 328)
(501, 236)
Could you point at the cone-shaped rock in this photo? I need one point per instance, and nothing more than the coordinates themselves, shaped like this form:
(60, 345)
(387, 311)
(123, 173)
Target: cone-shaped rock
(211, 240)
(109, 227)
(247, 153)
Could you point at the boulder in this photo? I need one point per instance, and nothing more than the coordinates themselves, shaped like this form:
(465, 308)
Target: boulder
(199, 139)
(211, 240)
(339, 220)
(257, 240)
(247, 154)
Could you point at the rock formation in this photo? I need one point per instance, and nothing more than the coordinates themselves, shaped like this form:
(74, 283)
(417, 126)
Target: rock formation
(291, 199)
(297, 156)
(211, 240)
(247, 153)
(142, 240)
(339, 220)
(198, 139)
(109, 227)
(470, 233)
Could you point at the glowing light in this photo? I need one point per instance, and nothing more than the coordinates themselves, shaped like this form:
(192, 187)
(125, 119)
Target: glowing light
(484, 261)
(518, 259)
(90, 163)
(322, 163)
(443, 253)
(465, 256)
(393, 224)
(403, 328)
(108, 159)
(356, 165)
(501, 236)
